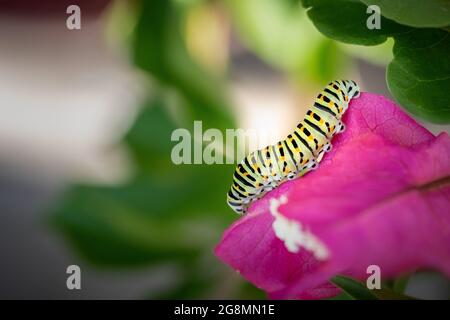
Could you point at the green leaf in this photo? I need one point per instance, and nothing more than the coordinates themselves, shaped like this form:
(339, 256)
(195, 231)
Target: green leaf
(388, 294)
(353, 288)
(415, 13)
(401, 283)
(419, 75)
(346, 21)
(341, 296)
(359, 291)
(248, 291)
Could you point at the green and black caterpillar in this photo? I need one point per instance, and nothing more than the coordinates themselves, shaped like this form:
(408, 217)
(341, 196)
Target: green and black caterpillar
(302, 150)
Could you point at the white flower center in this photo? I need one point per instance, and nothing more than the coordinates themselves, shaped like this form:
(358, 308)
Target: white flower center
(293, 234)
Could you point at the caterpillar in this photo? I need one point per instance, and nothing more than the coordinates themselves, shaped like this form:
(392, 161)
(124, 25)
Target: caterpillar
(301, 151)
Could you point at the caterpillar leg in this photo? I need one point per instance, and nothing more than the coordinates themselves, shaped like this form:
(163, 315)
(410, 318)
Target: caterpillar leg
(326, 148)
(320, 155)
(313, 164)
(291, 176)
(239, 208)
(341, 127)
(235, 201)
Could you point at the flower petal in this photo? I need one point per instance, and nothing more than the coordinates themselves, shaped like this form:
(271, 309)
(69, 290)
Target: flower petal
(380, 197)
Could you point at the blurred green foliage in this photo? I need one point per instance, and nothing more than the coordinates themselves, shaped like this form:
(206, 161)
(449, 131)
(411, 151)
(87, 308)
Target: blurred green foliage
(160, 50)
(419, 75)
(165, 213)
(280, 33)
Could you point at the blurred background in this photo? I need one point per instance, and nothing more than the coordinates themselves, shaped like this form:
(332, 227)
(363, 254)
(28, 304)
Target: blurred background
(86, 118)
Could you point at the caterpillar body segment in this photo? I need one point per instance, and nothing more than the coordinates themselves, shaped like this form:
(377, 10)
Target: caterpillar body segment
(301, 151)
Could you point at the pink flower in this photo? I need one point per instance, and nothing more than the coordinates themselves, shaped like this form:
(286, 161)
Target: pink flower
(380, 197)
